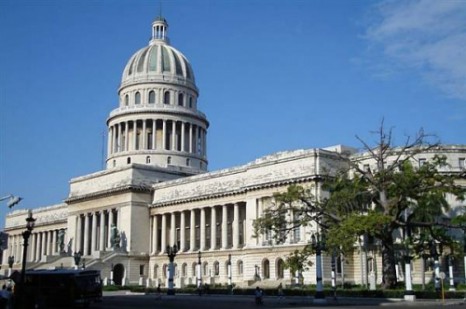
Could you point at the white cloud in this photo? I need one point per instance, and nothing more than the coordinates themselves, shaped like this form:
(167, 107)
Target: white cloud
(426, 35)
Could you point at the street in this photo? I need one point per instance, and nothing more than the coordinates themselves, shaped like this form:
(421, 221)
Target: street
(140, 301)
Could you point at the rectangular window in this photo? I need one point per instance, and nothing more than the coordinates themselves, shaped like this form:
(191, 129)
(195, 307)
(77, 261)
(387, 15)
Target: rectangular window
(141, 270)
(462, 163)
(422, 162)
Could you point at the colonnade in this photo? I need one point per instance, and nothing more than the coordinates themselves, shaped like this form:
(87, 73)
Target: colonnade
(41, 243)
(206, 228)
(93, 231)
(157, 134)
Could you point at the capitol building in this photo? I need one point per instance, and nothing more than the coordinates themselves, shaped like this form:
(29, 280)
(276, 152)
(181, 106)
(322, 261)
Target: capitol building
(156, 191)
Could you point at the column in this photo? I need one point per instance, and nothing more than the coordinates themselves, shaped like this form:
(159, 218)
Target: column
(127, 135)
(235, 226)
(191, 138)
(109, 141)
(213, 228)
(115, 139)
(135, 133)
(102, 231)
(182, 136)
(37, 250)
(202, 230)
(172, 229)
(49, 242)
(192, 231)
(120, 146)
(77, 243)
(173, 135)
(163, 242)
(224, 227)
(54, 241)
(155, 234)
(86, 234)
(154, 133)
(144, 134)
(164, 134)
(110, 222)
(182, 231)
(94, 233)
(195, 139)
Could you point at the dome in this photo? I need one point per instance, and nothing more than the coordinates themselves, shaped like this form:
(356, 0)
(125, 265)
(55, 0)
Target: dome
(159, 61)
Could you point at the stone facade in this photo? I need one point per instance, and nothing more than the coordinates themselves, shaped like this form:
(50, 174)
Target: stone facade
(156, 192)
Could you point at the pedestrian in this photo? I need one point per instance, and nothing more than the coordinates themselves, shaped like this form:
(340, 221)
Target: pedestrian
(280, 292)
(258, 295)
(158, 292)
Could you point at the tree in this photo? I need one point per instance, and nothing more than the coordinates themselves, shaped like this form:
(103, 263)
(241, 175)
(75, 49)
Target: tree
(395, 193)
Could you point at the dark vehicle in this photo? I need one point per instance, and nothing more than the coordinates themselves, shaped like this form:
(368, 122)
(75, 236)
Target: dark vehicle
(62, 287)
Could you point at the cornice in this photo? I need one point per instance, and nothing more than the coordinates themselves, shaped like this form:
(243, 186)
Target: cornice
(108, 192)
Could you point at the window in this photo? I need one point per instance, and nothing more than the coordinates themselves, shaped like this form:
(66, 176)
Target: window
(137, 98)
(422, 162)
(126, 100)
(114, 163)
(141, 270)
(205, 269)
(180, 99)
(148, 159)
(183, 270)
(166, 97)
(366, 168)
(190, 102)
(128, 160)
(156, 271)
(240, 267)
(280, 269)
(188, 161)
(169, 160)
(216, 269)
(266, 269)
(152, 97)
(462, 163)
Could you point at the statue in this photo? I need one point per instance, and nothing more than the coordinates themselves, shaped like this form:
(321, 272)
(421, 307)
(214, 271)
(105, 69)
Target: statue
(114, 237)
(61, 240)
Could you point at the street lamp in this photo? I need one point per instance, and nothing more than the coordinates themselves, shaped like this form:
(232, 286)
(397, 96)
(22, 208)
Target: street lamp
(11, 261)
(230, 286)
(13, 200)
(26, 234)
(199, 275)
(450, 272)
(171, 252)
(77, 258)
(434, 254)
(318, 244)
(334, 275)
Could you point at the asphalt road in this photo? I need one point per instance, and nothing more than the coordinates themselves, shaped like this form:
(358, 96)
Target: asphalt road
(246, 302)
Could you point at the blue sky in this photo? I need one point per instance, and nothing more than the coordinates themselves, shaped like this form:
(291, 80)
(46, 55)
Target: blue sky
(273, 76)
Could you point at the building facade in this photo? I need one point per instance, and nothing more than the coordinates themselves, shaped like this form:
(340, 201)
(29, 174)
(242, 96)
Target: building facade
(156, 192)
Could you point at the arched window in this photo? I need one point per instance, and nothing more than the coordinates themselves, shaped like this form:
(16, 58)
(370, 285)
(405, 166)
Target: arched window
(151, 97)
(205, 269)
(164, 270)
(166, 97)
(126, 100)
(266, 269)
(193, 273)
(180, 99)
(216, 269)
(169, 160)
(148, 159)
(280, 269)
(188, 161)
(190, 102)
(137, 98)
(183, 270)
(240, 267)
(128, 160)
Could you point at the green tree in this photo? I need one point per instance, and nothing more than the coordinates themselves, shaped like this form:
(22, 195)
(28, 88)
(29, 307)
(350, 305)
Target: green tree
(397, 193)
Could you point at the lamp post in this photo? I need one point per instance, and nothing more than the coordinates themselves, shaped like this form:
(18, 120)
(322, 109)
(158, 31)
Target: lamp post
(230, 286)
(450, 272)
(13, 200)
(11, 261)
(77, 258)
(318, 244)
(171, 252)
(199, 275)
(435, 256)
(26, 234)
